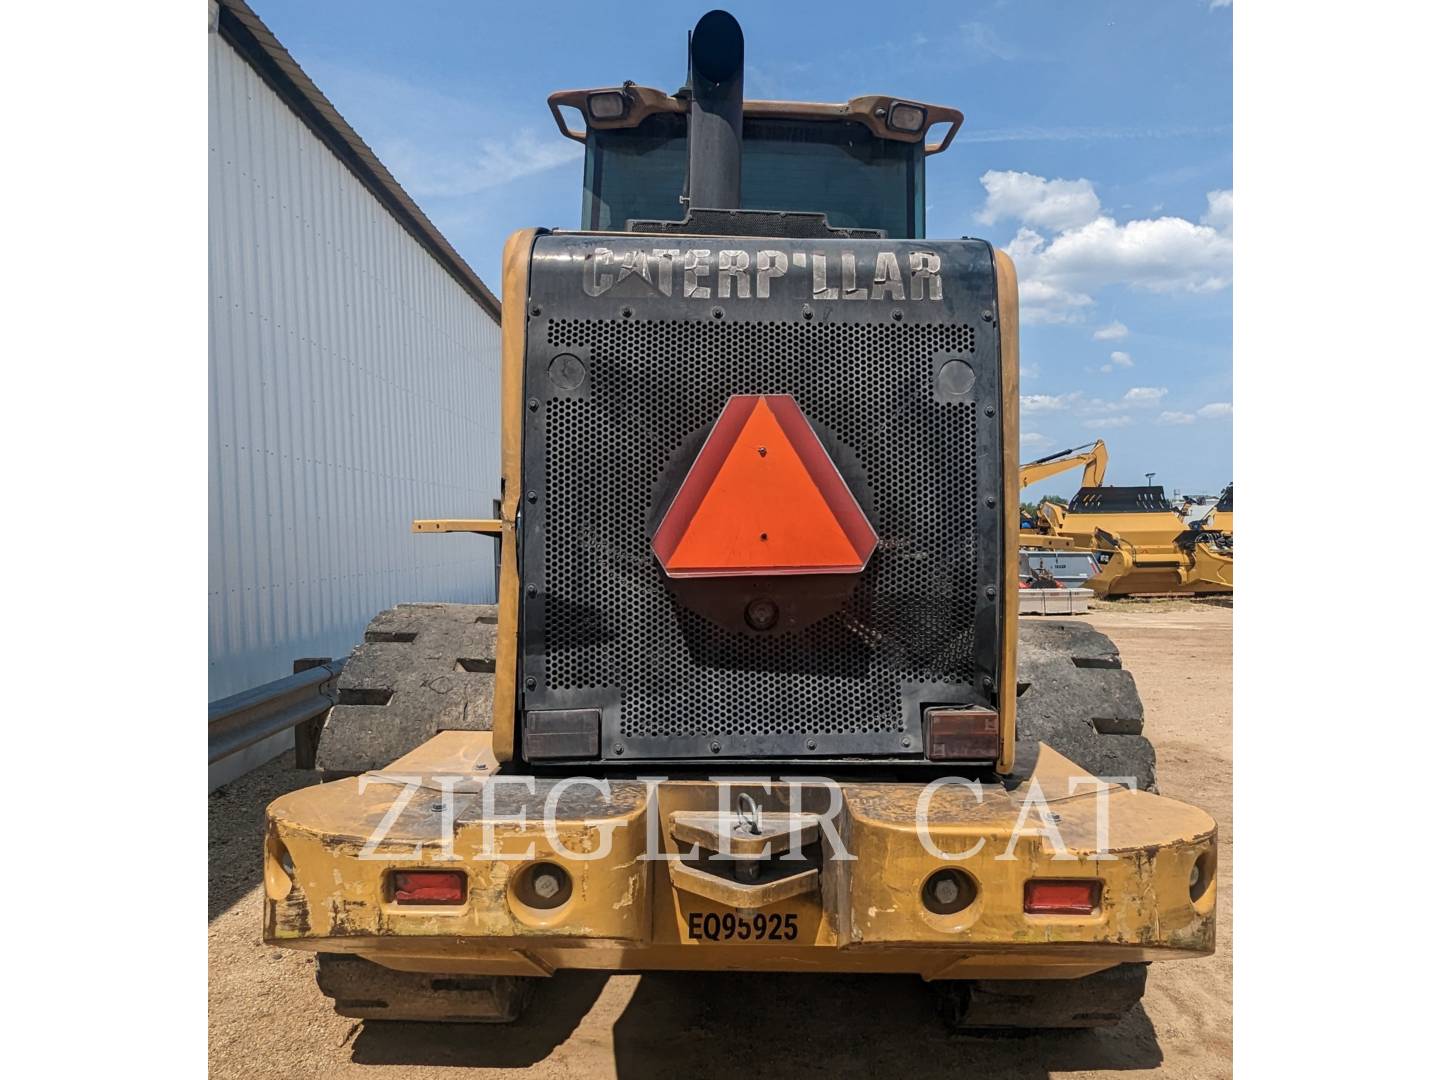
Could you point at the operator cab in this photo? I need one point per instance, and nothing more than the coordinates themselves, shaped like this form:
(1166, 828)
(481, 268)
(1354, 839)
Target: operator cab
(861, 163)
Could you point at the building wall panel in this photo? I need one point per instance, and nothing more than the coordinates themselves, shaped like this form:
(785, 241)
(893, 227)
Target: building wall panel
(354, 385)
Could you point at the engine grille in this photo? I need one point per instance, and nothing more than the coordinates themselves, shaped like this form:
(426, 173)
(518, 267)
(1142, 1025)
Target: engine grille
(605, 630)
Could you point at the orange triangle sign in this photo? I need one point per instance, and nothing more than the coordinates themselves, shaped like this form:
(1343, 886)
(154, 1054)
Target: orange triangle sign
(763, 497)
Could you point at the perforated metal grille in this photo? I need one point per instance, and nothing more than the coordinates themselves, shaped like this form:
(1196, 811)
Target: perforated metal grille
(653, 385)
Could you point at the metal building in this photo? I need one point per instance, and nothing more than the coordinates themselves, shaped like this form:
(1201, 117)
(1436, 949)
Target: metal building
(354, 381)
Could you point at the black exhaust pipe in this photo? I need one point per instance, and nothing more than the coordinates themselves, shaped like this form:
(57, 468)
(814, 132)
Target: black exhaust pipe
(717, 99)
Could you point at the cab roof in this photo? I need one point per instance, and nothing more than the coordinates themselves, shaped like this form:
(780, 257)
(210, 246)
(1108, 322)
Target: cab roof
(872, 110)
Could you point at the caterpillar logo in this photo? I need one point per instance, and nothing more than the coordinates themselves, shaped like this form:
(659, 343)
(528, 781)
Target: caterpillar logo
(724, 274)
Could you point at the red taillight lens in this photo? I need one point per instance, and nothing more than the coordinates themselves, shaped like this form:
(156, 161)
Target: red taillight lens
(428, 886)
(1062, 897)
(962, 733)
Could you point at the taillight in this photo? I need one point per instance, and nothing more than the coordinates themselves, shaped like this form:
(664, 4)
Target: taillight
(962, 733)
(1062, 897)
(428, 886)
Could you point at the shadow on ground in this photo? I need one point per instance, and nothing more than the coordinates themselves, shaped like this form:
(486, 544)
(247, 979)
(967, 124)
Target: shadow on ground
(695, 1026)
(560, 1004)
(237, 828)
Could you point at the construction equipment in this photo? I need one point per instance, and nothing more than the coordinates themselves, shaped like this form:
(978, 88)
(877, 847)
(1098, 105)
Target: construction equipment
(754, 696)
(1035, 531)
(1221, 518)
(1142, 544)
(1092, 455)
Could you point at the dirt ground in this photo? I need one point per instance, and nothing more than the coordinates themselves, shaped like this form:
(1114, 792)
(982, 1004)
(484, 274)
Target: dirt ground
(267, 1019)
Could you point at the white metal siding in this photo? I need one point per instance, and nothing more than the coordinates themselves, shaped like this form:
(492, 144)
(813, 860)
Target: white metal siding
(354, 385)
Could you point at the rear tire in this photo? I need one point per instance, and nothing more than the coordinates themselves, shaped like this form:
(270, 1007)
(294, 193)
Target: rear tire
(367, 991)
(422, 668)
(1091, 1001)
(1077, 698)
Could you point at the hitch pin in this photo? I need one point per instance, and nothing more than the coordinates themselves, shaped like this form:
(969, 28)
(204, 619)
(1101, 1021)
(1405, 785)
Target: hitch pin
(749, 814)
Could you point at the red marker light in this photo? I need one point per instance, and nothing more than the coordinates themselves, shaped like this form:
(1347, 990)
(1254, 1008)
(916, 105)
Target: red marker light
(1062, 897)
(962, 733)
(428, 886)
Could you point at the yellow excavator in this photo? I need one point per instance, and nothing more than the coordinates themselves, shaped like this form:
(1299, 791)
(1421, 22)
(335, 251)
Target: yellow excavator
(1035, 531)
(1140, 542)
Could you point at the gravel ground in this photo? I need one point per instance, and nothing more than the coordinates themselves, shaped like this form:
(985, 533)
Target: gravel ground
(267, 1019)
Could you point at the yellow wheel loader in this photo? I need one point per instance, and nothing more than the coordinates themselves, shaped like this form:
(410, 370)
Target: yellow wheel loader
(754, 696)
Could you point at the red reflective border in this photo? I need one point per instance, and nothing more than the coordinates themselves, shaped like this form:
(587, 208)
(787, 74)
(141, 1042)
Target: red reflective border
(811, 452)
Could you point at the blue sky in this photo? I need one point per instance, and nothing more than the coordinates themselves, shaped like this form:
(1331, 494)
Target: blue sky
(1096, 149)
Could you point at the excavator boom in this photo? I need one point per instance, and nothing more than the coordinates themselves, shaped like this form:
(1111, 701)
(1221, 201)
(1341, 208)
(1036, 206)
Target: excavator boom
(1091, 455)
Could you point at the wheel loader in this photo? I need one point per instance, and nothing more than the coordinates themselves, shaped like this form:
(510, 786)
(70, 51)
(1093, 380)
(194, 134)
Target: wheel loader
(753, 697)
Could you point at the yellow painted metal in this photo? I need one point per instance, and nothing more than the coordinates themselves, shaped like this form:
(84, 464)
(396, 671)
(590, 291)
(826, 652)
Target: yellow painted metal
(1220, 521)
(1141, 552)
(1093, 457)
(1162, 569)
(1007, 292)
(626, 913)
(484, 526)
(514, 315)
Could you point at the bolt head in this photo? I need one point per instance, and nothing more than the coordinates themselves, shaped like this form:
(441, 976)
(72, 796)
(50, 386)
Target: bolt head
(546, 883)
(947, 891)
(762, 613)
(714, 747)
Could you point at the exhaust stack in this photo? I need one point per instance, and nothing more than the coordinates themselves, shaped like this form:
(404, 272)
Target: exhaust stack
(717, 96)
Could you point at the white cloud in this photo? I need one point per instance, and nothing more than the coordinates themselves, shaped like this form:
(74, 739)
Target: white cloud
(1047, 402)
(1220, 209)
(1040, 301)
(1108, 422)
(1144, 395)
(1216, 410)
(1089, 250)
(1034, 440)
(1033, 200)
(1175, 418)
(1219, 4)
(1115, 331)
(1121, 359)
